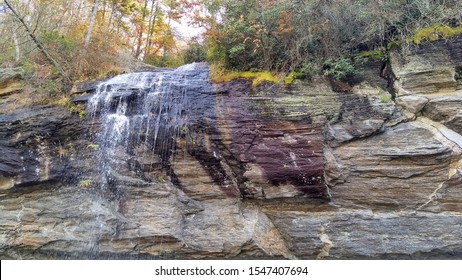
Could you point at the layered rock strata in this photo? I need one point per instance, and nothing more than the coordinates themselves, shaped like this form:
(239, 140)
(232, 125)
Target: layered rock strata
(275, 171)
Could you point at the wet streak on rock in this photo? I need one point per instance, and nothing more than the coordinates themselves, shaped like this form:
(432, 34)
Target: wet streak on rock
(227, 131)
(276, 143)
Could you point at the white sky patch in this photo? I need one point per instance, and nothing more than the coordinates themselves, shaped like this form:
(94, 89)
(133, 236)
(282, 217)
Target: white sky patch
(186, 30)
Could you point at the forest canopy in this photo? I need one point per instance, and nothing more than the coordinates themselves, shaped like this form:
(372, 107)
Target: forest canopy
(91, 38)
(286, 35)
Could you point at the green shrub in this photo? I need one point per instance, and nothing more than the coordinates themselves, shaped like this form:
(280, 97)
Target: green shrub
(56, 41)
(216, 53)
(310, 70)
(339, 68)
(195, 52)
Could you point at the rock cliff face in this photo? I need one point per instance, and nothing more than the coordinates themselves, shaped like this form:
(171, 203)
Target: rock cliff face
(171, 166)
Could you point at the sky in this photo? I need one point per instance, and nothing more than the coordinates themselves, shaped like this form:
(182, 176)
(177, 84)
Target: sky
(186, 30)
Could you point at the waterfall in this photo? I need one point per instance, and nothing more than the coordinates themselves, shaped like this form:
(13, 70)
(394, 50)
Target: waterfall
(138, 121)
(144, 113)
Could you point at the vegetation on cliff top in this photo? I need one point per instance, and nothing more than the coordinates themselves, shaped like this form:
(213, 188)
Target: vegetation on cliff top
(90, 39)
(284, 35)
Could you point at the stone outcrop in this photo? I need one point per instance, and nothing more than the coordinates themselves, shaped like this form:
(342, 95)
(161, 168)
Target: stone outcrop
(11, 95)
(447, 110)
(37, 145)
(429, 68)
(275, 171)
(10, 81)
(386, 172)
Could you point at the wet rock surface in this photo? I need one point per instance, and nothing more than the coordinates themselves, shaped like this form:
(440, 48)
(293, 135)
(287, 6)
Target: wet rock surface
(232, 171)
(36, 145)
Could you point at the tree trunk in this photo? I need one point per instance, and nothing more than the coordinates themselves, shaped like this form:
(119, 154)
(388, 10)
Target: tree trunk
(111, 16)
(141, 29)
(39, 44)
(15, 42)
(152, 21)
(92, 23)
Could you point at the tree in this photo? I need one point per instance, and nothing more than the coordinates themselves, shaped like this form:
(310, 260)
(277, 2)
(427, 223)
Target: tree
(92, 23)
(38, 43)
(15, 41)
(284, 35)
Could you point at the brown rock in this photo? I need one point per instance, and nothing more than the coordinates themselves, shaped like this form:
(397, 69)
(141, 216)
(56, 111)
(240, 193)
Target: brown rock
(429, 68)
(397, 169)
(412, 103)
(447, 110)
(10, 81)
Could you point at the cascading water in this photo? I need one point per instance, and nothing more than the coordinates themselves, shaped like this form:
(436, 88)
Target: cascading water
(138, 120)
(146, 111)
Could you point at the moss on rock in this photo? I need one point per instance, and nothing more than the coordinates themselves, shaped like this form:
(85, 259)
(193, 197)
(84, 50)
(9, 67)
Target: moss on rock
(435, 33)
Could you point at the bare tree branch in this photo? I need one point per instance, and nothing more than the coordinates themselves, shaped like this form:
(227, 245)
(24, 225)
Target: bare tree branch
(39, 44)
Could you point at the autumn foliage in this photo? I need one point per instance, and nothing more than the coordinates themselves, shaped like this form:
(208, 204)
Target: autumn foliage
(87, 46)
(90, 39)
(287, 35)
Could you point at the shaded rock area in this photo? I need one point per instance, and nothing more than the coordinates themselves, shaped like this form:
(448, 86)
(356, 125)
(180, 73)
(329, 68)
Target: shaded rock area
(273, 171)
(38, 145)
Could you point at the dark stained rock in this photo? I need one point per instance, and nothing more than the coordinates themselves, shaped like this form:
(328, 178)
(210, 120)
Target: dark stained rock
(276, 135)
(36, 144)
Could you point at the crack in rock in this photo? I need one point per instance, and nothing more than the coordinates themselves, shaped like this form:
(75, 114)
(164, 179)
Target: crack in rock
(449, 138)
(326, 243)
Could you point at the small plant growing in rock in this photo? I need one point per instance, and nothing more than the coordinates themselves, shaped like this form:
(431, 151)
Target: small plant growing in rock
(79, 109)
(161, 179)
(385, 98)
(85, 183)
(62, 151)
(184, 130)
(93, 146)
(66, 150)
